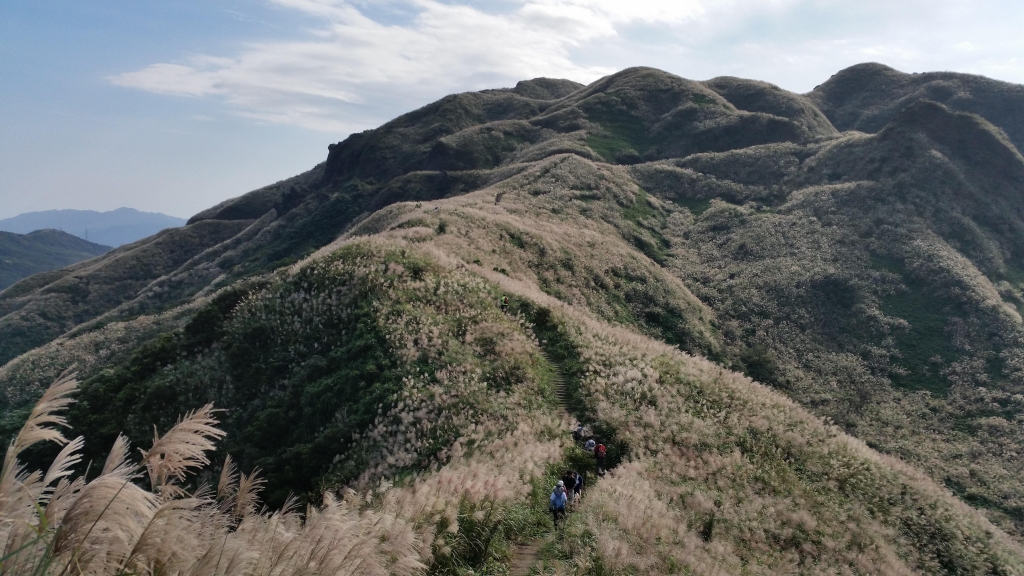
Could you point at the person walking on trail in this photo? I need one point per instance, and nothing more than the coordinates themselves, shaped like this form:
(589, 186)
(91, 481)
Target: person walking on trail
(504, 303)
(590, 445)
(579, 487)
(557, 502)
(577, 433)
(599, 454)
(569, 481)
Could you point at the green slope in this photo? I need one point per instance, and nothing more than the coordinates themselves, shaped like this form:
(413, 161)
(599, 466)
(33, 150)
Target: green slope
(866, 97)
(871, 278)
(23, 255)
(386, 356)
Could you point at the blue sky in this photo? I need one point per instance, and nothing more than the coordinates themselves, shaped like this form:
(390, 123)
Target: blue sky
(173, 106)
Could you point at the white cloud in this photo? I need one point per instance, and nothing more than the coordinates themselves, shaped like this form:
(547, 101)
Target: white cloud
(352, 72)
(604, 13)
(176, 79)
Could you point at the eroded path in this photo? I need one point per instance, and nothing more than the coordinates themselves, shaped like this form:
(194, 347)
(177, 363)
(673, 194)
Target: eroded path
(526, 557)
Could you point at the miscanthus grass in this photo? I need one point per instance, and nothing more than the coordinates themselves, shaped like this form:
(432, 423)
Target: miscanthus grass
(136, 516)
(721, 475)
(725, 476)
(140, 516)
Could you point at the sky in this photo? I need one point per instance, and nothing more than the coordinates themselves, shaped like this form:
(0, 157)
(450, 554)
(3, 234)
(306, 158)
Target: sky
(175, 105)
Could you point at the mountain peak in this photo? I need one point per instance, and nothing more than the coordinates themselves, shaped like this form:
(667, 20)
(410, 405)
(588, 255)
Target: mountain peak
(546, 88)
(866, 97)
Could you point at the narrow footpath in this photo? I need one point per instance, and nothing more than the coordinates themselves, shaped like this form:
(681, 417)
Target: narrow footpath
(527, 555)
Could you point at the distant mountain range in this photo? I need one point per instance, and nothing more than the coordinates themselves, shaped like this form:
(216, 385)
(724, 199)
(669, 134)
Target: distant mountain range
(113, 228)
(23, 255)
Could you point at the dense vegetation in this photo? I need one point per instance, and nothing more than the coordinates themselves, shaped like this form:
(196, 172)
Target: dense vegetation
(658, 238)
(23, 255)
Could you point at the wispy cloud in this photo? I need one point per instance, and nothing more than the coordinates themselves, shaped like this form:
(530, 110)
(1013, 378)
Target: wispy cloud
(349, 73)
(352, 71)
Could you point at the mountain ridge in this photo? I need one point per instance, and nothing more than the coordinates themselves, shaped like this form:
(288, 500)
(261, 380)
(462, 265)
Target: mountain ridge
(23, 255)
(866, 96)
(872, 277)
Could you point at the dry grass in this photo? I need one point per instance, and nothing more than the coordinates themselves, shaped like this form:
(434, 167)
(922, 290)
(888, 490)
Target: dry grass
(56, 523)
(140, 517)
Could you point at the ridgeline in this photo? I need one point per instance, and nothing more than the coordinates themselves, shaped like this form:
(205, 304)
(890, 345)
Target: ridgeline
(797, 317)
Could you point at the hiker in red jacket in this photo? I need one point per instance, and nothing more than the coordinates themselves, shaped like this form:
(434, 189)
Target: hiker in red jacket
(599, 453)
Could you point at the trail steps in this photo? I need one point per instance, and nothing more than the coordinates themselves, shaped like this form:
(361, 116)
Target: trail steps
(525, 557)
(559, 381)
(527, 554)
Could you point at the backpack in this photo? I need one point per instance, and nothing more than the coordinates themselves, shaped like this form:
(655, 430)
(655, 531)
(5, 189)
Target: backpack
(600, 451)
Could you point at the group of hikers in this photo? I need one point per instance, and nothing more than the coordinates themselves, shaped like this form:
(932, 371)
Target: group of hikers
(600, 451)
(570, 488)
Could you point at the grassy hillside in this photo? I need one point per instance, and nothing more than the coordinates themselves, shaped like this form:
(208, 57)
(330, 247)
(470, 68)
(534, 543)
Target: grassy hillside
(23, 255)
(42, 307)
(387, 357)
(662, 242)
(866, 97)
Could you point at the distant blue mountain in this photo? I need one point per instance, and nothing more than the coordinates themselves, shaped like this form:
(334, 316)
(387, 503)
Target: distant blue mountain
(114, 228)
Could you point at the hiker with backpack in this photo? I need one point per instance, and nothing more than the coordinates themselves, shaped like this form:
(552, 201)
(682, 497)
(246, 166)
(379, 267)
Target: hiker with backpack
(557, 502)
(599, 454)
(590, 445)
(579, 487)
(569, 481)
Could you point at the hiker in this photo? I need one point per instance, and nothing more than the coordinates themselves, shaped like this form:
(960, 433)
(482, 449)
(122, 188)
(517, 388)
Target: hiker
(599, 453)
(569, 481)
(579, 487)
(590, 445)
(577, 434)
(557, 503)
(504, 303)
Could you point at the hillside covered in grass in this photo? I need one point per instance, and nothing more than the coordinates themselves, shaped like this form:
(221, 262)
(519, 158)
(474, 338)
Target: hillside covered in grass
(22, 255)
(801, 332)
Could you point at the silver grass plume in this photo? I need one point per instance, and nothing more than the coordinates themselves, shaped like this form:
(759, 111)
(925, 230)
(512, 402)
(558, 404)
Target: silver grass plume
(41, 426)
(227, 484)
(183, 447)
(117, 460)
(23, 494)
